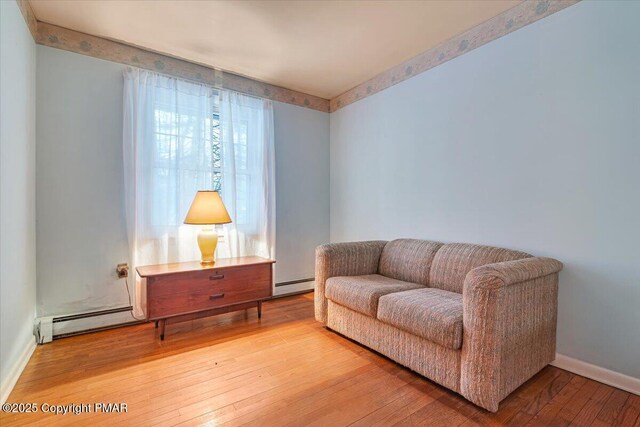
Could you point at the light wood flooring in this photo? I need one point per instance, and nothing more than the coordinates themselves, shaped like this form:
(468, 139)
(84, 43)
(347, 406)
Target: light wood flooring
(283, 370)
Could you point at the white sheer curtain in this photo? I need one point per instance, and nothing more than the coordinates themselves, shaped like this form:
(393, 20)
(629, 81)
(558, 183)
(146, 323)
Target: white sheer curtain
(174, 144)
(248, 178)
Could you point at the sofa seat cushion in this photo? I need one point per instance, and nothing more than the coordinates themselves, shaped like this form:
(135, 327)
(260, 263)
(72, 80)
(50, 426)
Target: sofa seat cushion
(433, 314)
(361, 293)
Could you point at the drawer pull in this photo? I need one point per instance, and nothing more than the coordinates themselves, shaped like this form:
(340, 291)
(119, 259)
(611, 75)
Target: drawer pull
(216, 296)
(216, 277)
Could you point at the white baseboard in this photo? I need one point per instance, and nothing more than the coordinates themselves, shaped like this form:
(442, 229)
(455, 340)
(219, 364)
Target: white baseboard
(7, 386)
(605, 376)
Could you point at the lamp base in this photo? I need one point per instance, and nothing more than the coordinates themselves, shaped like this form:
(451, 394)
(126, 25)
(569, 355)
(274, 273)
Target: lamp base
(207, 242)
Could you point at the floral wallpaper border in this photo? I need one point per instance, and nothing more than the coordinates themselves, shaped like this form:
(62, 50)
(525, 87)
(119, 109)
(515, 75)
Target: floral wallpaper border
(513, 19)
(525, 13)
(85, 44)
(29, 16)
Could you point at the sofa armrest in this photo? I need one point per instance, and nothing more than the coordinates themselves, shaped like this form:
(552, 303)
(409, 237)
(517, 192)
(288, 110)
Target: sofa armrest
(509, 326)
(343, 259)
(493, 276)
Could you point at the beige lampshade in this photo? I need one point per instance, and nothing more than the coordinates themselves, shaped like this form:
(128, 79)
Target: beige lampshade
(207, 208)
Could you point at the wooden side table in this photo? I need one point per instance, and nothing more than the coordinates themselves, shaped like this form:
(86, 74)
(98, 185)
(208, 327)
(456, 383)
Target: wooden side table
(187, 290)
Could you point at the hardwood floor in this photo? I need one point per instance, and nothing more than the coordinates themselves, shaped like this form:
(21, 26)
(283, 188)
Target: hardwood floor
(283, 370)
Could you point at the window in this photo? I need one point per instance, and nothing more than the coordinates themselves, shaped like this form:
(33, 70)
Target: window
(216, 151)
(186, 156)
(181, 137)
(243, 171)
(178, 159)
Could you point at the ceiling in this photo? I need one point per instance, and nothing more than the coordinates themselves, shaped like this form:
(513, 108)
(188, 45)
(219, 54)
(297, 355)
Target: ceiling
(323, 48)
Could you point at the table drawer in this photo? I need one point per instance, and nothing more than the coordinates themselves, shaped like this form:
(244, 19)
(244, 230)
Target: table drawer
(174, 294)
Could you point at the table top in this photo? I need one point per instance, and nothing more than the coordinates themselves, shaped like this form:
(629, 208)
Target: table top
(182, 267)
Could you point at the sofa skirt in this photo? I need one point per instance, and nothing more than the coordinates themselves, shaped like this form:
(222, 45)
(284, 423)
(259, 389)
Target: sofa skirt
(439, 364)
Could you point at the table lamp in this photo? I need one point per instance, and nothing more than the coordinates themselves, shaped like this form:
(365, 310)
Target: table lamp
(207, 209)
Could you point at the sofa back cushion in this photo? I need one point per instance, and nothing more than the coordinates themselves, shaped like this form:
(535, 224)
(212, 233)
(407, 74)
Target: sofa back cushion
(453, 261)
(408, 260)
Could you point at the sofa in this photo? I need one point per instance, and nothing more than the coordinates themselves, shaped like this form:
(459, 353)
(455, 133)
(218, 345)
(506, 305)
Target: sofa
(478, 320)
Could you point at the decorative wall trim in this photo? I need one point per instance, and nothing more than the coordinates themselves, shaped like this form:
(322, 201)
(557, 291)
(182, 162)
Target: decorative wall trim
(29, 16)
(14, 374)
(98, 47)
(525, 13)
(605, 376)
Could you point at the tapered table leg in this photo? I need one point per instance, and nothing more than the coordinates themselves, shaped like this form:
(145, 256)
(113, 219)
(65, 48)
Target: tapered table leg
(156, 324)
(259, 309)
(163, 323)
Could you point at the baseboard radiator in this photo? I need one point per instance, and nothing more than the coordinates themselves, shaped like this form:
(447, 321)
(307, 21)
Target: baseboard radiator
(91, 314)
(294, 282)
(50, 328)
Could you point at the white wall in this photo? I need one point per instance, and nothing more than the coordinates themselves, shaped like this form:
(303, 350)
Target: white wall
(302, 189)
(81, 228)
(17, 192)
(531, 142)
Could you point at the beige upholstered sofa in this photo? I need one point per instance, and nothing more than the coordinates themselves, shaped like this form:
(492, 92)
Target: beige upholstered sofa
(476, 319)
